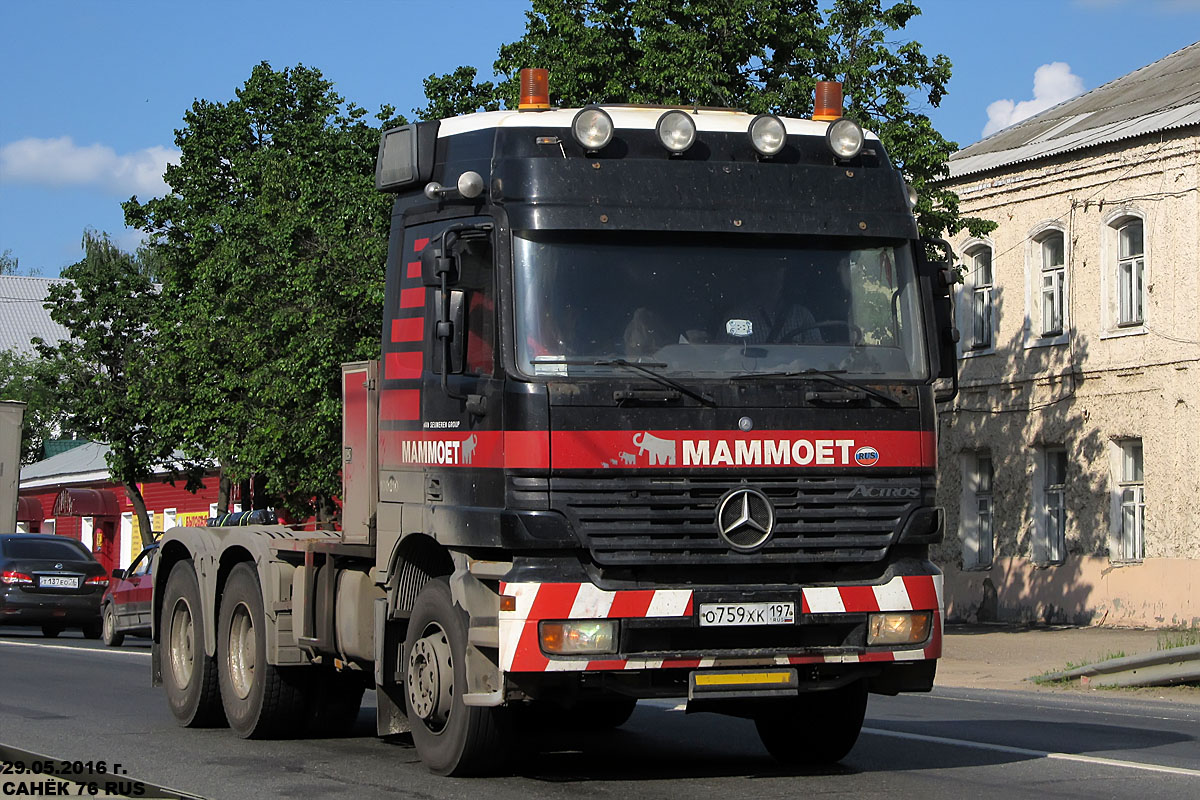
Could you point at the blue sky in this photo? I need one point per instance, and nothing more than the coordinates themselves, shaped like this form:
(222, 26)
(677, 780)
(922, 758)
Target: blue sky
(91, 91)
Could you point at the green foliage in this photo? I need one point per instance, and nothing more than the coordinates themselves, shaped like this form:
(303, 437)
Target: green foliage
(98, 374)
(8, 263)
(758, 55)
(19, 380)
(270, 250)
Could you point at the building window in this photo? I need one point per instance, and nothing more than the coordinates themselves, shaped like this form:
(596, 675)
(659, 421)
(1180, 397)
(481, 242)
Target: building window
(1133, 502)
(1054, 507)
(977, 536)
(981, 298)
(48, 526)
(1052, 283)
(1131, 269)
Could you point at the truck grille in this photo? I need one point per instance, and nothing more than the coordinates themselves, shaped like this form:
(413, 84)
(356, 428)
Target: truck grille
(628, 521)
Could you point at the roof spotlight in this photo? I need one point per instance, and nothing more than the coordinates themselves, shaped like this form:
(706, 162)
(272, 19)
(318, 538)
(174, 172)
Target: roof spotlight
(676, 130)
(845, 138)
(767, 134)
(592, 128)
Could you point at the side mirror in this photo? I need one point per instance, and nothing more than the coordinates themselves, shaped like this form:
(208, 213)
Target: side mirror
(941, 282)
(118, 573)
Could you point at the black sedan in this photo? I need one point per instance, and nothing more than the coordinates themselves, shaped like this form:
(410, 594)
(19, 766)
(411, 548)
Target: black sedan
(50, 581)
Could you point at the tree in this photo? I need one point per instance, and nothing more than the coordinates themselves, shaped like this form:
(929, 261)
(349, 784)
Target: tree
(97, 373)
(8, 263)
(19, 380)
(270, 250)
(759, 55)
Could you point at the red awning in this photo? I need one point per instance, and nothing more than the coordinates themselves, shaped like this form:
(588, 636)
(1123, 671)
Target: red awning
(29, 509)
(86, 503)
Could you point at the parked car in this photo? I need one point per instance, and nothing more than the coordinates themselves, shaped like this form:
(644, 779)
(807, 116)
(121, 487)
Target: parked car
(125, 608)
(51, 581)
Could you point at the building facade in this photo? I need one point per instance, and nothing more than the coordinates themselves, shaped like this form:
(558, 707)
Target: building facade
(72, 494)
(1069, 456)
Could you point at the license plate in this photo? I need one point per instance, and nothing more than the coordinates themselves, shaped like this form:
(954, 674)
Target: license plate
(721, 614)
(58, 582)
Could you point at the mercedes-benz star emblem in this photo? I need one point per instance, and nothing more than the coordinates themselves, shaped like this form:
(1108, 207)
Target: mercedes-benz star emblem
(745, 519)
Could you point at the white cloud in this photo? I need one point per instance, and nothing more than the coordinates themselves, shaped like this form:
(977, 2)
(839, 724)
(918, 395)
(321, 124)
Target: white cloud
(61, 162)
(1052, 84)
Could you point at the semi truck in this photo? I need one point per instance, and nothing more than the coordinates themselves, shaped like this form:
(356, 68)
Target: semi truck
(654, 416)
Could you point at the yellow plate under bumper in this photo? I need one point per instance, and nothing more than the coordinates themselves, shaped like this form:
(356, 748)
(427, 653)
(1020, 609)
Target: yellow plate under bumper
(743, 683)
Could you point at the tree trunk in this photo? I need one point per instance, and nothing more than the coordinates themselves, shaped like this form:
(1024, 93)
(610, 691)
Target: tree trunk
(223, 488)
(143, 516)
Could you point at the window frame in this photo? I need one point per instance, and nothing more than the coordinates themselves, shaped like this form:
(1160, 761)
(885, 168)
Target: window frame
(1129, 547)
(1050, 506)
(967, 299)
(1036, 290)
(1112, 325)
(977, 538)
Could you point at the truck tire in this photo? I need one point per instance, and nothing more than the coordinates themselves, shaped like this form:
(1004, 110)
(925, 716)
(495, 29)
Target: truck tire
(451, 738)
(111, 636)
(189, 675)
(815, 728)
(261, 700)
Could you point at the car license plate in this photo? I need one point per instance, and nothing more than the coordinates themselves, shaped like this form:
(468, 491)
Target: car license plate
(58, 582)
(718, 614)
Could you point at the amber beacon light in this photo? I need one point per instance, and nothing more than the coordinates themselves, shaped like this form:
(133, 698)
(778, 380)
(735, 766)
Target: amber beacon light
(827, 105)
(535, 90)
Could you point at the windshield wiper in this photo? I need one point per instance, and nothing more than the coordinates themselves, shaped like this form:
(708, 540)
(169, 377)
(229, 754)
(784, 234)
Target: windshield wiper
(644, 367)
(832, 376)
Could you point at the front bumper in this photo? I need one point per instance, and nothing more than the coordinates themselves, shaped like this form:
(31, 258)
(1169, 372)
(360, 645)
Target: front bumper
(659, 628)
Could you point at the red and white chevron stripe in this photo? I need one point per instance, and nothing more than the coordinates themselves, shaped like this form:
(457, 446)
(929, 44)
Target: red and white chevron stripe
(520, 650)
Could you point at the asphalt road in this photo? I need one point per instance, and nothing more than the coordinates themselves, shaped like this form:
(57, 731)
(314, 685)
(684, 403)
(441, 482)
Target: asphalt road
(73, 699)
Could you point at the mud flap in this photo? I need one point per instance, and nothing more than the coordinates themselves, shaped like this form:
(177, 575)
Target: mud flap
(390, 717)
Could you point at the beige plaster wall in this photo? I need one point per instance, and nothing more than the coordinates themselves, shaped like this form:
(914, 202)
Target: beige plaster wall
(1087, 591)
(1092, 388)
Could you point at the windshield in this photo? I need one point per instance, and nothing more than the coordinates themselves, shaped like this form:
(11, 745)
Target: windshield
(716, 307)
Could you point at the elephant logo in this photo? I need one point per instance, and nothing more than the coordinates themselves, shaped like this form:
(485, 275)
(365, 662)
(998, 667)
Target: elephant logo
(468, 448)
(661, 451)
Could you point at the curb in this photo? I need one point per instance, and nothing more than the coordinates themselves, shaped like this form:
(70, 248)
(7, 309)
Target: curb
(1160, 668)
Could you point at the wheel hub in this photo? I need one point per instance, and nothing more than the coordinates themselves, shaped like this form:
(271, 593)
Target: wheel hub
(430, 678)
(242, 651)
(182, 642)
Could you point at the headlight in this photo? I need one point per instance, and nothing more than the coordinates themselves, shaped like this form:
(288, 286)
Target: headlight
(902, 627)
(845, 138)
(767, 134)
(592, 128)
(579, 636)
(676, 130)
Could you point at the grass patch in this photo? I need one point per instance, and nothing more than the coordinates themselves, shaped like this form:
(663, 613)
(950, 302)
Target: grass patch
(1170, 638)
(1048, 678)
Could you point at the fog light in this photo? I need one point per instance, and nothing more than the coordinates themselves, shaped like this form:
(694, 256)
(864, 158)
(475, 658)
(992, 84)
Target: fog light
(845, 138)
(592, 128)
(907, 627)
(767, 134)
(676, 131)
(579, 636)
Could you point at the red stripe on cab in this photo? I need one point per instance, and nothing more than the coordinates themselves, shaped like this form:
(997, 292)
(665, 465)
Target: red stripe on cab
(403, 366)
(400, 404)
(409, 329)
(412, 298)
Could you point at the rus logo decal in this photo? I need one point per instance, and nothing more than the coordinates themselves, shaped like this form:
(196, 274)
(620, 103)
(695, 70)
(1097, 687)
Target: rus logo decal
(866, 456)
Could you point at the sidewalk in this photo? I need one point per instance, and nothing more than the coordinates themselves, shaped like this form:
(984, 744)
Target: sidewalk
(1002, 657)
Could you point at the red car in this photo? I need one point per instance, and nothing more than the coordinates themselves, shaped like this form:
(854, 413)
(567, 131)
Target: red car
(125, 607)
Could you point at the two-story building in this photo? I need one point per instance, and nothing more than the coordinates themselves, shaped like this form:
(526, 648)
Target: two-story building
(1071, 477)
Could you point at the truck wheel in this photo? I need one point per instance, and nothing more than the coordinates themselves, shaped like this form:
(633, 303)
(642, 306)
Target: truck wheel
(189, 676)
(336, 701)
(261, 700)
(451, 738)
(111, 636)
(815, 728)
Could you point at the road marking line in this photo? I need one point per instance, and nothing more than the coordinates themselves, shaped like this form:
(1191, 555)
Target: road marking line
(1044, 702)
(1021, 751)
(108, 651)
